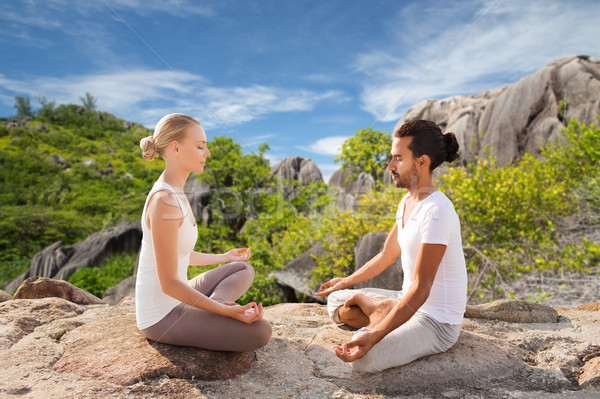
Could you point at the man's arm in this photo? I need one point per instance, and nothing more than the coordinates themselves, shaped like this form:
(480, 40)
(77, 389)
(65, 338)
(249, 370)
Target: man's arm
(428, 261)
(377, 264)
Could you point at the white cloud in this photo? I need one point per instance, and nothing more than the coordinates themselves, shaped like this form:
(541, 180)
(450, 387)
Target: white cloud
(146, 95)
(498, 43)
(326, 146)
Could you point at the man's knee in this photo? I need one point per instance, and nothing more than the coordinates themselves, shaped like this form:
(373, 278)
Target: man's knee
(334, 301)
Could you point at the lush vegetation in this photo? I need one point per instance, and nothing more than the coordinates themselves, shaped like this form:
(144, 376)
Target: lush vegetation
(527, 216)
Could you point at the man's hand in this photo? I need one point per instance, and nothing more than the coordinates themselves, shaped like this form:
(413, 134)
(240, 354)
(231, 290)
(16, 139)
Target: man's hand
(357, 348)
(335, 284)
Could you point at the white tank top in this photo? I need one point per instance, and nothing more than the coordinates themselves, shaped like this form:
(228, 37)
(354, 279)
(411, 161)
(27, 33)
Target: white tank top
(151, 303)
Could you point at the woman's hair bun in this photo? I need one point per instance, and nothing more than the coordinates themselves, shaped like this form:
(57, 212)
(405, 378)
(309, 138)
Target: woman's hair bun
(451, 145)
(148, 147)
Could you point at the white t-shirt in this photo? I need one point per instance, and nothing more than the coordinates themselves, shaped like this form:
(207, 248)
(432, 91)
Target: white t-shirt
(434, 221)
(151, 303)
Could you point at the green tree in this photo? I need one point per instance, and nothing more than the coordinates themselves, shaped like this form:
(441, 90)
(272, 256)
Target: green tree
(89, 101)
(23, 106)
(47, 108)
(367, 151)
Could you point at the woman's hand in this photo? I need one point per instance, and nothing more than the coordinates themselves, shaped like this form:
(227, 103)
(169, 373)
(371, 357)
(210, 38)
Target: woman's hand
(335, 284)
(245, 313)
(237, 254)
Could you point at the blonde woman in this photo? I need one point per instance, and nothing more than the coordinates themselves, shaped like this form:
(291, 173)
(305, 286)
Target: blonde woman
(200, 312)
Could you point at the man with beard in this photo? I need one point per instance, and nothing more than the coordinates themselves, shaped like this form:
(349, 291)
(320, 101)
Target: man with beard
(425, 317)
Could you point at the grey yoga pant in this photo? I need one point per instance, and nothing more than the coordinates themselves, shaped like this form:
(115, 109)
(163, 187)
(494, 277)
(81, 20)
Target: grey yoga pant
(420, 336)
(186, 325)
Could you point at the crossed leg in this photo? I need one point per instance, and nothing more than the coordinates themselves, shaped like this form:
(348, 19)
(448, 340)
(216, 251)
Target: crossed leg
(363, 311)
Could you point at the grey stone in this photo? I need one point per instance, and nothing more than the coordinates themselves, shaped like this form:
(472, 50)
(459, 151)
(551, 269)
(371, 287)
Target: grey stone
(59, 262)
(115, 294)
(513, 311)
(297, 273)
(518, 118)
(367, 247)
(4, 296)
(43, 287)
(304, 170)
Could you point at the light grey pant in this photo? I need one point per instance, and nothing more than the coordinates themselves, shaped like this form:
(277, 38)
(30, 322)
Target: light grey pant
(420, 336)
(186, 325)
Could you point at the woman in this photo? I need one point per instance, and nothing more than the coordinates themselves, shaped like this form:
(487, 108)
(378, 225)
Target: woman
(200, 312)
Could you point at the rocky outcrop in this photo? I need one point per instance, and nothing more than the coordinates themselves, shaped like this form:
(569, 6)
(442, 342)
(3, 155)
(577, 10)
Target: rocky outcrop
(522, 117)
(123, 356)
(304, 170)
(116, 293)
(20, 317)
(60, 262)
(4, 296)
(297, 275)
(349, 186)
(63, 349)
(513, 311)
(367, 247)
(42, 287)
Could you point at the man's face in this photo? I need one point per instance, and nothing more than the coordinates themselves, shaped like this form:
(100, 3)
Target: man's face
(403, 165)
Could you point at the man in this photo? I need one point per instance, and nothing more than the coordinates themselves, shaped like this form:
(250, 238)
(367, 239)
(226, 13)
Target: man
(424, 318)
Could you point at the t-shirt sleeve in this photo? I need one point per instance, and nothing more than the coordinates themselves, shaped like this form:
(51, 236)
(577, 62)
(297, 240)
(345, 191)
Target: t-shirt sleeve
(437, 224)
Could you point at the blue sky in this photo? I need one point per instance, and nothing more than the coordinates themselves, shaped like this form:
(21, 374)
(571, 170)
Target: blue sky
(300, 75)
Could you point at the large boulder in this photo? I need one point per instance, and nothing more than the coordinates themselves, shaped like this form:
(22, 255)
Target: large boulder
(514, 311)
(4, 296)
(60, 262)
(367, 247)
(349, 186)
(122, 355)
(95, 353)
(19, 317)
(304, 170)
(42, 287)
(522, 117)
(297, 274)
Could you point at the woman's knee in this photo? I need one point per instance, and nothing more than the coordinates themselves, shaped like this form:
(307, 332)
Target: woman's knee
(243, 266)
(261, 333)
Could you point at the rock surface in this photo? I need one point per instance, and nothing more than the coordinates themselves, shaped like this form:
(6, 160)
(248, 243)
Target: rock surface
(4, 296)
(521, 117)
(60, 262)
(297, 168)
(97, 352)
(42, 287)
(514, 311)
(123, 356)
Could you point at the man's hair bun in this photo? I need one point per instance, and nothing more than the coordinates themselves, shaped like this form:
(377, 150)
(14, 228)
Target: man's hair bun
(451, 145)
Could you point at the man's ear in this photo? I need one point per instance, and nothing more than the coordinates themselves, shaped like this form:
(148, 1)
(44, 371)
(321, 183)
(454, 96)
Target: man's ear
(424, 160)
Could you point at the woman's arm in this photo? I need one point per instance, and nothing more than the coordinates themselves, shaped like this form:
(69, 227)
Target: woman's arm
(164, 239)
(202, 259)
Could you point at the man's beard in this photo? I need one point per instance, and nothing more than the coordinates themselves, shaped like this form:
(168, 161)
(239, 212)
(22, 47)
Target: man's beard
(406, 180)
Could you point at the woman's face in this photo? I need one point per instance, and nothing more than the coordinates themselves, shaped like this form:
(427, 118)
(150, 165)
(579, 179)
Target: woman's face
(194, 149)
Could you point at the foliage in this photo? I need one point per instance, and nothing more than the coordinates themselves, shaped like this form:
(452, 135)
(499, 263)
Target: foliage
(23, 106)
(367, 151)
(96, 280)
(89, 102)
(514, 217)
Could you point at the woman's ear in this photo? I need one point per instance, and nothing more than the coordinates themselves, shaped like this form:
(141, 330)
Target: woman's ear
(174, 147)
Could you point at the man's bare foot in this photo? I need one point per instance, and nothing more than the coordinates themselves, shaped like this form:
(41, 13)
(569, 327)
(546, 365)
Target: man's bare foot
(374, 309)
(382, 309)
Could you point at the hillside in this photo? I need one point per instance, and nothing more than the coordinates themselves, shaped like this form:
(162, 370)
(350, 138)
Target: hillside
(69, 172)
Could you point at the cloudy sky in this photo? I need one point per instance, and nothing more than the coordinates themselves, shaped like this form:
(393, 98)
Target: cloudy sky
(300, 75)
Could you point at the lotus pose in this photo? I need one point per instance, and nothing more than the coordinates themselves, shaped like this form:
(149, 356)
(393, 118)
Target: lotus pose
(200, 312)
(425, 317)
